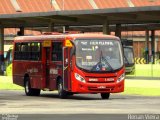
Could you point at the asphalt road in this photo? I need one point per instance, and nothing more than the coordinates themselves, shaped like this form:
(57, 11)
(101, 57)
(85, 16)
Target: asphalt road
(15, 102)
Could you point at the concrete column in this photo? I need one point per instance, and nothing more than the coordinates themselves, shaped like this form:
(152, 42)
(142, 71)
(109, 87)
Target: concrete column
(147, 47)
(106, 27)
(118, 30)
(21, 31)
(51, 27)
(65, 28)
(1, 50)
(153, 45)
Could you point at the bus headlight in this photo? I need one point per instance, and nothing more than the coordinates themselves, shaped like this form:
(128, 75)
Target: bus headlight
(121, 77)
(79, 77)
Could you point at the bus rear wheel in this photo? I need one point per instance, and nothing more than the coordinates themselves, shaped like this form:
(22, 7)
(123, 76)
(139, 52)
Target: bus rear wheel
(30, 91)
(61, 92)
(105, 95)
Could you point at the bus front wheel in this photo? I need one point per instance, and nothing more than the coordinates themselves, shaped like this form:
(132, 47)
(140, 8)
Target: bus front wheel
(61, 92)
(105, 95)
(30, 91)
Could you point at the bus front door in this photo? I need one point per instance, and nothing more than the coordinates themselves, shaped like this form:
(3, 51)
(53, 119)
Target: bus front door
(66, 69)
(46, 66)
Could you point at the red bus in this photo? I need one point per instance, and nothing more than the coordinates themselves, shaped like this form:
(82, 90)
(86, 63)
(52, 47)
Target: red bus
(69, 63)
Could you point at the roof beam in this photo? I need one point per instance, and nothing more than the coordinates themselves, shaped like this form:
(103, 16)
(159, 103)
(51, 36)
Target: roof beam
(12, 21)
(98, 28)
(92, 17)
(149, 16)
(61, 18)
(36, 19)
(122, 16)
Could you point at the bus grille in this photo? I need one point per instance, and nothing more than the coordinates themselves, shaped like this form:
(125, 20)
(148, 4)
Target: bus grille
(99, 89)
(100, 81)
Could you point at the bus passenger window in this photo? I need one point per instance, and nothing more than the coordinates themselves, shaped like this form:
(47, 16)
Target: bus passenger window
(57, 51)
(17, 51)
(27, 51)
(35, 51)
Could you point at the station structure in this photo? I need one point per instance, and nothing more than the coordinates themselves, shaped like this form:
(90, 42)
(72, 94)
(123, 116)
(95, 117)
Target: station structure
(85, 15)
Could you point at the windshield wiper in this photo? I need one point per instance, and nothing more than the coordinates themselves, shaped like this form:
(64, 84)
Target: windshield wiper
(107, 61)
(100, 62)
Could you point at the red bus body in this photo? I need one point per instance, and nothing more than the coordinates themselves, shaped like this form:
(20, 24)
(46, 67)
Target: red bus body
(43, 71)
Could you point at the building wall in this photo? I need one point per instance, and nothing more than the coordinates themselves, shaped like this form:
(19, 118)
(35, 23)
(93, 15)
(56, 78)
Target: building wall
(140, 47)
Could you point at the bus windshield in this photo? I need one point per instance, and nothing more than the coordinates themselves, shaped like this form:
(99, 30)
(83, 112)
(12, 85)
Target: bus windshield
(128, 55)
(98, 54)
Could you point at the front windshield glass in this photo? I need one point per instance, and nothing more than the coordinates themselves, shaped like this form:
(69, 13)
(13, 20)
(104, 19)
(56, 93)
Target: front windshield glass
(128, 55)
(98, 54)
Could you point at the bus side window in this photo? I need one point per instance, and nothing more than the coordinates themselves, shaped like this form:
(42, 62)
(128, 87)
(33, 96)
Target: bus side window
(35, 51)
(17, 51)
(57, 51)
(25, 52)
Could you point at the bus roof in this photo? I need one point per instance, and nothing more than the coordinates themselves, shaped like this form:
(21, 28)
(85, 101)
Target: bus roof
(74, 36)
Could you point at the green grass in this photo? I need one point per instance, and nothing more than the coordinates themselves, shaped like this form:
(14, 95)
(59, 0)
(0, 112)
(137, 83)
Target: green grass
(7, 84)
(132, 87)
(142, 91)
(142, 87)
(147, 70)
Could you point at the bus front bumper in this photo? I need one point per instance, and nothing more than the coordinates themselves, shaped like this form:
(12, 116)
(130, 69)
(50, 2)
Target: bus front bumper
(80, 87)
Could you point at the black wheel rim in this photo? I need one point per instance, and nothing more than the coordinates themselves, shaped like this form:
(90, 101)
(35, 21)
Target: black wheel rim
(60, 89)
(27, 87)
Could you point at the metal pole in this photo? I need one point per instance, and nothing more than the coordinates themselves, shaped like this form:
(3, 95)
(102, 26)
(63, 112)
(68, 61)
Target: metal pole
(153, 48)
(106, 27)
(118, 30)
(1, 50)
(51, 27)
(153, 45)
(147, 46)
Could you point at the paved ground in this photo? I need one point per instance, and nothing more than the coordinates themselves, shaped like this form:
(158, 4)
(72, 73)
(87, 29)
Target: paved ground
(15, 102)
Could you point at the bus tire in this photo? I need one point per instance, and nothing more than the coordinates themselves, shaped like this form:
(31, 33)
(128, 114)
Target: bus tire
(30, 91)
(37, 92)
(105, 95)
(70, 93)
(61, 92)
